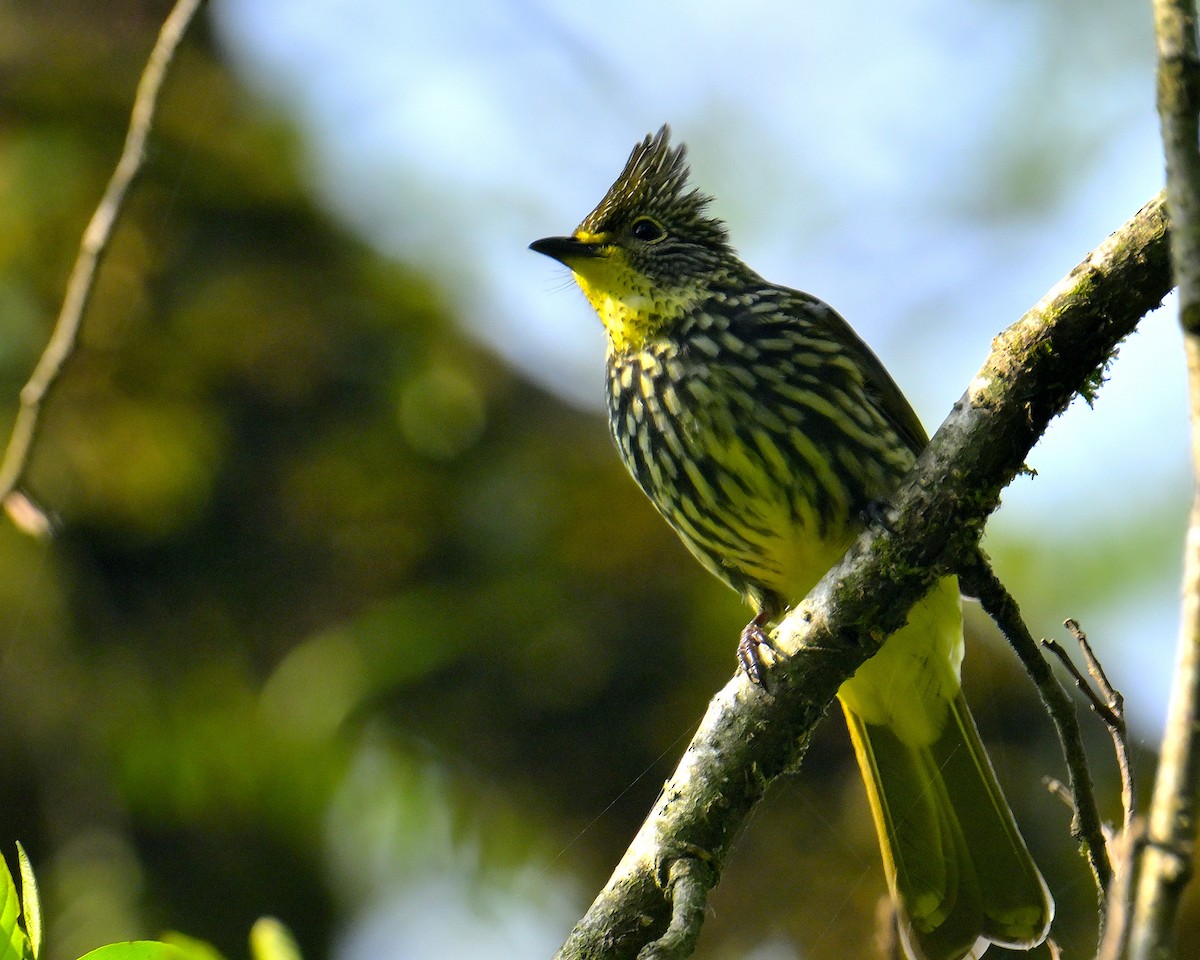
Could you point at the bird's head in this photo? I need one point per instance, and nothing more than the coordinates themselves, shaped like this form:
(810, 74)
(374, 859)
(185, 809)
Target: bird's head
(647, 253)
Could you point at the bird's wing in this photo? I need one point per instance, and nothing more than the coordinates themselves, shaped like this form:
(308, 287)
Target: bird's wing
(879, 382)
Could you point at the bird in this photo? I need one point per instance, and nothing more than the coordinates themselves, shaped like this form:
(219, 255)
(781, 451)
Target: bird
(767, 434)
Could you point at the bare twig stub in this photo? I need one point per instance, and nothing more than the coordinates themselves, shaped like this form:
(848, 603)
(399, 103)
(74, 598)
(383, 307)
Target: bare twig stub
(83, 274)
(747, 737)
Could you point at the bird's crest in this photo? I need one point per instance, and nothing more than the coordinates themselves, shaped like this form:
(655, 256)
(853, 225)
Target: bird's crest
(654, 183)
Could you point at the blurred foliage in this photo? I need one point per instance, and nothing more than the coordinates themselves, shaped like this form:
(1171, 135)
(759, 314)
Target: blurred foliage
(21, 931)
(337, 601)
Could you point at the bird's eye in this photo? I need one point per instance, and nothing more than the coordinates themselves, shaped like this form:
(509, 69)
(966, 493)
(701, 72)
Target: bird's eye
(646, 230)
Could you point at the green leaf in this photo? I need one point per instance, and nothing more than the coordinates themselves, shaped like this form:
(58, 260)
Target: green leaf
(138, 950)
(31, 903)
(194, 949)
(14, 945)
(271, 940)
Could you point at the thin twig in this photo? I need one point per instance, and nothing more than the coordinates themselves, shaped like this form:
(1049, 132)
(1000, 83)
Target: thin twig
(65, 336)
(980, 581)
(1126, 851)
(1099, 705)
(1110, 709)
(1167, 859)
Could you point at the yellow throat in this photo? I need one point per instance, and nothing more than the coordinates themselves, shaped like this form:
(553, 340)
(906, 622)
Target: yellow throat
(630, 309)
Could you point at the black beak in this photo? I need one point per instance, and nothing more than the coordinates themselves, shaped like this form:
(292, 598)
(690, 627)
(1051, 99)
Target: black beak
(564, 249)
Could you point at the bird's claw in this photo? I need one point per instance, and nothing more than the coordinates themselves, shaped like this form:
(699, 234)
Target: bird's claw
(749, 652)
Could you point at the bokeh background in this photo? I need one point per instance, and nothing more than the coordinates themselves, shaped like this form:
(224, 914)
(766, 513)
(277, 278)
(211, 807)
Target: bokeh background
(351, 615)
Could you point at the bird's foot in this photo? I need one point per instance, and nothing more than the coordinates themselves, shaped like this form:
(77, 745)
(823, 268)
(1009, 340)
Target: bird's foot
(750, 650)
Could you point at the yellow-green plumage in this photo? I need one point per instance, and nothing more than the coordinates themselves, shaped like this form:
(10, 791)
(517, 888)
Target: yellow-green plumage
(763, 429)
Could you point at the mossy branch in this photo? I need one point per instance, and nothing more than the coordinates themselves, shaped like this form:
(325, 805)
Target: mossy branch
(747, 737)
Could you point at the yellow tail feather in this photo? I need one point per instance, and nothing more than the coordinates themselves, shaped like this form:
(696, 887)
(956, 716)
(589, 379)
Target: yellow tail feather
(957, 867)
